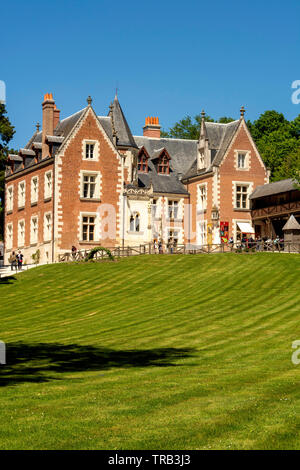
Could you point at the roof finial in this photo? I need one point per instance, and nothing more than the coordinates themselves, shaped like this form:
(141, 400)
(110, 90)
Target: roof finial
(37, 126)
(202, 114)
(89, 100)
(242, 111)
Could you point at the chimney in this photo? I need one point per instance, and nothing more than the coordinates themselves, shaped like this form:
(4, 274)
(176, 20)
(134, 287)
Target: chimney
(48, 121)
(152, 127)
(56, 113)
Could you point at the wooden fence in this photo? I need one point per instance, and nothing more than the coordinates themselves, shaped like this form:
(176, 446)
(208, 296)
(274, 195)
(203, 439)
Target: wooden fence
(149, 249)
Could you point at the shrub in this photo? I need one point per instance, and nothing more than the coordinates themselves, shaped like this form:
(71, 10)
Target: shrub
(36, 256)
(95, 250)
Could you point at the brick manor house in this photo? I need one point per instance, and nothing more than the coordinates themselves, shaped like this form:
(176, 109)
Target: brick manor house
(79, 176)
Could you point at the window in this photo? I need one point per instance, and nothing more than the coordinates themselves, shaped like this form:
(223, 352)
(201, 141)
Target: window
(202, 233)
(134, 223)
(34, 230)
(88, 228)
(154, 208)
(89, 151)
(202, 197)
(34, 189)
(242, 160)
(201, 160)
(173, 209)
(173, 237)
(9, 237)
(241, 201)
(10, 198)
(163, 165)
(21, 194)
(48, 226)
(89, 186)
(21, 233)
(143, 163)
(48, 185)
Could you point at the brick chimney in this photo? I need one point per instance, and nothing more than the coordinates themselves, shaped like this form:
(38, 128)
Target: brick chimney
(56, 113)
(48, 121)
(151, 127)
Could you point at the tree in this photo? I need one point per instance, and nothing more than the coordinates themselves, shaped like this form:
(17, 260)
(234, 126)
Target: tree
(189, 128)
(6, 134)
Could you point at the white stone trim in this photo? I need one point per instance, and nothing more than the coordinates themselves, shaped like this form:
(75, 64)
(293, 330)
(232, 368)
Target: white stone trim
(9, 236)
(21, 202)
(34, 238)
(34, 197)
(249, 191)
(98, 188)
(97, 231)
(47, 237)
(247, 154)
(10, 201)
(21, 243)
(48, 192)
(96, 152)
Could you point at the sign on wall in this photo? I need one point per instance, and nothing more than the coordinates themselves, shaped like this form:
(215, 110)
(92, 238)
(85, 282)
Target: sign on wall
(224, 232)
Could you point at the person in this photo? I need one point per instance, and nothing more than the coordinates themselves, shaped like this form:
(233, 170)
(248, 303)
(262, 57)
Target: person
(74, 250)
(13, 261)
(155, 246)
(160, 247)
(20, 260)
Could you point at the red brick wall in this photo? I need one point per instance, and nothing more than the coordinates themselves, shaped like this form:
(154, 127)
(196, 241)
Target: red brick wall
(38, 209)
(71, 163)
(229, 172)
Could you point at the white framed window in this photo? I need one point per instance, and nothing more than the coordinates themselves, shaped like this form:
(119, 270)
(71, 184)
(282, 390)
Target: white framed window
(34, 229)
(135, 223)
(90, 185)
(154, 208)
(90, 150)
(201, 160)
(21, 233)
(173, 237)
(34, 189)
(9, 236)
(242, 196)
(172, 209)
(202, 196)
(10, 198)
(242, 159)
(88, 227)
(202, 232)
(21, 194)
(47, 226)
(48, 185)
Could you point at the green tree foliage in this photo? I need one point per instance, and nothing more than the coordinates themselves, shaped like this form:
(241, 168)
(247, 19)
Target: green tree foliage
(6, 134)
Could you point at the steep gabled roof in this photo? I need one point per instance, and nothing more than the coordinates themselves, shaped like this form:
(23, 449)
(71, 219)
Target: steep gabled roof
(291, 224)
(219, 138)
(120, 125)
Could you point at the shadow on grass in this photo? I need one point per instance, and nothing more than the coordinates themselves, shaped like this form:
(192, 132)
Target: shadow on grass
(7, 280)
(41, 362)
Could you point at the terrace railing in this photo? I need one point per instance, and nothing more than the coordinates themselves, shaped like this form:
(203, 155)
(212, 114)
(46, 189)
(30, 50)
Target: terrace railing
(150, 248)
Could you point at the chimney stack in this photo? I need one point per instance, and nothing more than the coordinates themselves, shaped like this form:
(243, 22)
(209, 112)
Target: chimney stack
(48, 122)
(56, 113)
(152, 127)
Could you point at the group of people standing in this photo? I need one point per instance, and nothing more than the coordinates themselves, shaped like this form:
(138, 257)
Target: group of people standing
(16, 261)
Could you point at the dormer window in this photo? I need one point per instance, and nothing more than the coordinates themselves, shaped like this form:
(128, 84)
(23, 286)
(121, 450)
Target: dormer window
(143, 163)
(163, 165)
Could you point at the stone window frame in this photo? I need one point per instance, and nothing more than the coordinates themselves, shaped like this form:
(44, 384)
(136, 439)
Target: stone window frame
(34, 239)
(11, 233)
(199, 200)
(48, 192)
(21, 245)
(96, 226)
(96, 151)
(49, 237)
(98, 185)
(33, 200)
(21, 202)
(247, 160)
(249, 185)
(10, 200)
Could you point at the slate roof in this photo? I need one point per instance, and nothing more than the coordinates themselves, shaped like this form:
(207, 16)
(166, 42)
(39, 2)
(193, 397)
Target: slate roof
(271, 189)
(291, 224)
(119, 123)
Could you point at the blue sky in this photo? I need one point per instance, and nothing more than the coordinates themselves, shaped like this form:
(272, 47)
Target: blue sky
(167, 58)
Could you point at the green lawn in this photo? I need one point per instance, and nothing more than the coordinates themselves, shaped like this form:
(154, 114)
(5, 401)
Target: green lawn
(152, 352)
